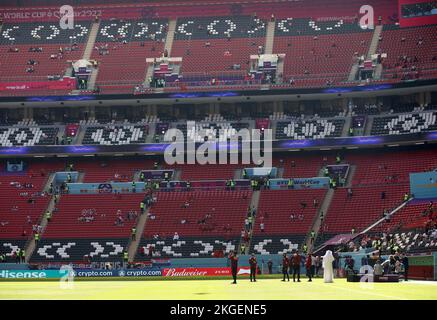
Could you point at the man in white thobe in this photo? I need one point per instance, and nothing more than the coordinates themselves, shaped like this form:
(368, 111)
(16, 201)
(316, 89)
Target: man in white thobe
(328, 271)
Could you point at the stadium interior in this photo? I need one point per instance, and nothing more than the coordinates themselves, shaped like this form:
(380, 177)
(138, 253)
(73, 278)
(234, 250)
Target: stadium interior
(85, 115)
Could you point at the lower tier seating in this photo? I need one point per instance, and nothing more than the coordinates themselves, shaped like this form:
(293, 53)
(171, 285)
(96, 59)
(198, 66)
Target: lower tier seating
(186, 213)
(364, 207)
(80, 250)
(187, 247)
(85, 216)
(276, 244)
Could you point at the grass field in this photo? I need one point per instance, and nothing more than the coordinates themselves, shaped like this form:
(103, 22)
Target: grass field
(219, 289)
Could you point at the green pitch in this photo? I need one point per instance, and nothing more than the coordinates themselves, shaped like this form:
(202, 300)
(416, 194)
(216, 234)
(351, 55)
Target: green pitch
(218, 289)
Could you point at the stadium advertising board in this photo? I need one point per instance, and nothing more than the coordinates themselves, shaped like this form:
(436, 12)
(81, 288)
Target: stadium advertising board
(32, 274)
(202, 272)
(80, 273)
(423, 185)
(301, 183)
(64, 84)
(151, 272)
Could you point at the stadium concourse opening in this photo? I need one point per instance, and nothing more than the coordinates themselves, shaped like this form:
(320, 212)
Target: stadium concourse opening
(338, 106)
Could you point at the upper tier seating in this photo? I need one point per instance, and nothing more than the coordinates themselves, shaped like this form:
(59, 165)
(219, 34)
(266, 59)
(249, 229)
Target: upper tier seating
(405, 50)
(220, 27)
(307, 26)
(214, 44)
(48, 38)
(36, 33)
(405, 123)
(127, 44)
(30, 136)
(225, 207)
(310, 129)
(115, 135)
(325, 54)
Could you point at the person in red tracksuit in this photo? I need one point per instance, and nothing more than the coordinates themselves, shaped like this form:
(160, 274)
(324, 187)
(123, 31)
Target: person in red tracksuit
(295, 263)
(285, 264)
(253, 268)
(234, 265)
(308, 263)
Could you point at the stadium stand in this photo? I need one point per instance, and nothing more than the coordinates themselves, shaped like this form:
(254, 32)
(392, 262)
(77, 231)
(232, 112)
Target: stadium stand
(409, 50)
(287, 217)
(89, 225)
(17, 136)
(365, 206)
(207, 216)
(309, 129)
(39, 51)
(201, 40)
(114, 135)
(122, 47)
(404, 123)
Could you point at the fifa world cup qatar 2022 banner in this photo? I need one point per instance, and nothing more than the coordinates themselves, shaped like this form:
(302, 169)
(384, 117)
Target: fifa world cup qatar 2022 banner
(64, 84)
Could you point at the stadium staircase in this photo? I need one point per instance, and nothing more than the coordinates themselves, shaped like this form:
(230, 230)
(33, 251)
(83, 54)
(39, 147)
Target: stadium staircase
(91, 41)
(270, 37)
(170, 36)
(31, 244)
(374, 43)
(238, 174)
(350, 177)
(369, 125)
(353, 73)
(347, 125)
(372, 50)
(254, 202)
(317, 219)
(134, 244)
(93, 78)
(80, 177)
(378, 72)
(80, 135)
(149, 74)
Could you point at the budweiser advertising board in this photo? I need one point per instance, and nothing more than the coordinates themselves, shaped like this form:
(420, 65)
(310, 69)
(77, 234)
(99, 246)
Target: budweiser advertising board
(202, 272)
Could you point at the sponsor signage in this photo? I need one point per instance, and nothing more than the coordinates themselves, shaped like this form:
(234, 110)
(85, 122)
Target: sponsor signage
(80, 273)
(84, 273)
(32, 274)
(64, 84)
(202, 272)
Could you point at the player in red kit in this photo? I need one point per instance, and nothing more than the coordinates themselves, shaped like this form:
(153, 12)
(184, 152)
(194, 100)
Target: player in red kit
(308, 264)
(253, 267)
(234, 265)
(295, 263)
(285, 264)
